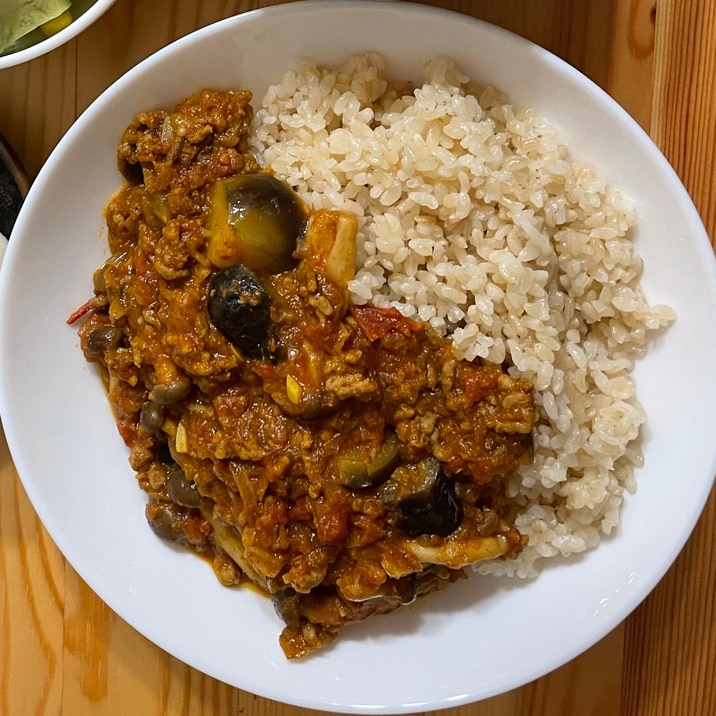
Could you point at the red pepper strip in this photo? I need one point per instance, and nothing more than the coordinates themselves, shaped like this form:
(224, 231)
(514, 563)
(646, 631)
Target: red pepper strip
(79, 312)
(377, 322)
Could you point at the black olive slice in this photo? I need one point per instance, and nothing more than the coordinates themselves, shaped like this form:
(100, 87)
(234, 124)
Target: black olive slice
(240, 307)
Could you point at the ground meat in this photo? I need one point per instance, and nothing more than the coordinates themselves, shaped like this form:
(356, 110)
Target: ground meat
(313, 464)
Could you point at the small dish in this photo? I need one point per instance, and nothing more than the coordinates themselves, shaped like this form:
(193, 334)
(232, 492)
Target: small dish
(35, 44)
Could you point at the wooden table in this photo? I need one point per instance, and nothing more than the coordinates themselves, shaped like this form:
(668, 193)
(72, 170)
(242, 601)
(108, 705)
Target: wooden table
(62, 651)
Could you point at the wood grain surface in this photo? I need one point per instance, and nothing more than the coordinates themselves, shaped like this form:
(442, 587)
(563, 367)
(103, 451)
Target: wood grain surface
(62, 651)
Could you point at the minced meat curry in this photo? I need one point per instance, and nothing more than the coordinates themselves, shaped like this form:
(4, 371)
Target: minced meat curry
(338, 456)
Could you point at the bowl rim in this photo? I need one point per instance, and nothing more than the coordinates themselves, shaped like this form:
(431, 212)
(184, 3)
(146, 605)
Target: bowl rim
(632, 128)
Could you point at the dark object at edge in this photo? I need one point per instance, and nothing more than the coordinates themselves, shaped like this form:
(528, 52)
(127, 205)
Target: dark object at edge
(14, 185)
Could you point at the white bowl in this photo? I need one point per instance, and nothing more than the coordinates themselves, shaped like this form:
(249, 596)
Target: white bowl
(85, 13)
(483, 636)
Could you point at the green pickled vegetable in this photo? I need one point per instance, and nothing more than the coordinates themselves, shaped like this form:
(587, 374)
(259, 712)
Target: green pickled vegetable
(19, 17)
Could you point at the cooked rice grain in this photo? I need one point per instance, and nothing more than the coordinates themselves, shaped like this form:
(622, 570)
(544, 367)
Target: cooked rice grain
(475, 218)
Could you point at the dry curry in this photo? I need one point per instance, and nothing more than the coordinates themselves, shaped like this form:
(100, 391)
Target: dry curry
(338, 456)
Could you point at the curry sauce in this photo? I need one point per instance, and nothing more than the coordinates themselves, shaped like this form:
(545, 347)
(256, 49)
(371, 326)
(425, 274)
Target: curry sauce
(339, 457)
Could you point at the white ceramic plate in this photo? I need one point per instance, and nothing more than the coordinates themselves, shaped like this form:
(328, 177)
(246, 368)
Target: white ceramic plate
(481, 637)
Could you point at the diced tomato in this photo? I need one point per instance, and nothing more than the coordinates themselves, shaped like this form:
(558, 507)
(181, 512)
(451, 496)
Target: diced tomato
(331, 520)
(377, 322)
(476, 382)
(264, 370)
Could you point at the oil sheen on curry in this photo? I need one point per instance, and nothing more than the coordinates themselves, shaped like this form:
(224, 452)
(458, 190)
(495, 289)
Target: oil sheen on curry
(340, 457)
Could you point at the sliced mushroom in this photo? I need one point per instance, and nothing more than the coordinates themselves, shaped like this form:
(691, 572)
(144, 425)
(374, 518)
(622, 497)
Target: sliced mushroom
(180, 489)
(167, 520)
(172, 392)
(103, 339)
(457, 554)
(287, 603)
(151, 416)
